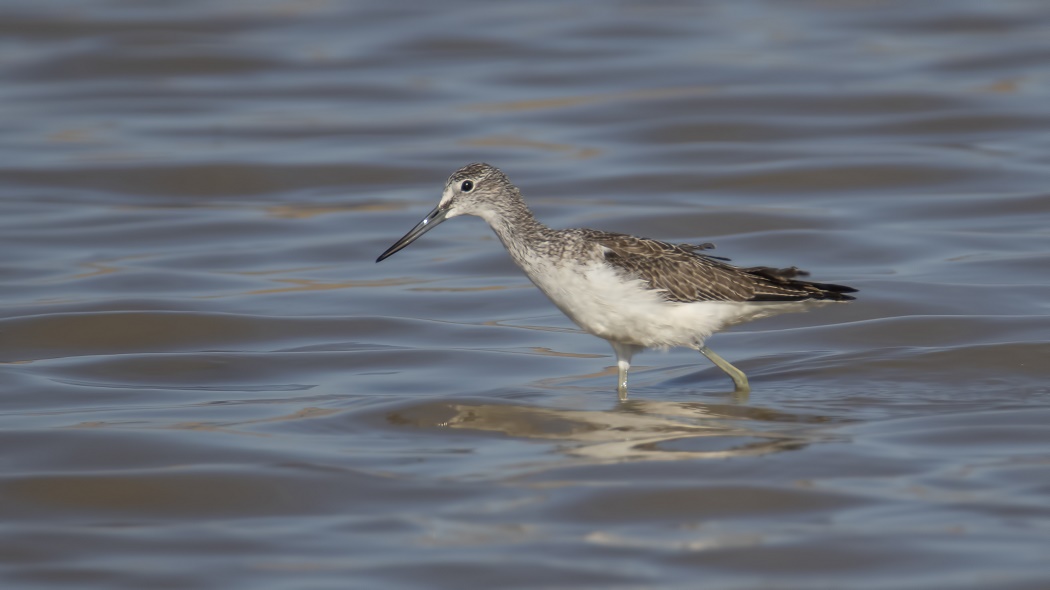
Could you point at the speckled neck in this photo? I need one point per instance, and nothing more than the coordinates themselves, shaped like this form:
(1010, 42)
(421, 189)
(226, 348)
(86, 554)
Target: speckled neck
(516, 226)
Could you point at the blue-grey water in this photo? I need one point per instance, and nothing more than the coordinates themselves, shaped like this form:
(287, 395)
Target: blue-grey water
(207, 382)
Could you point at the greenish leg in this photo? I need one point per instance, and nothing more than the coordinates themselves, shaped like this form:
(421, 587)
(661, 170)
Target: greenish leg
(624, 352)
(621, 380)
(738, 376)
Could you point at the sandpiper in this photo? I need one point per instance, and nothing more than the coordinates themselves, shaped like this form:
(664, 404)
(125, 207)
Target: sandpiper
(635, 293)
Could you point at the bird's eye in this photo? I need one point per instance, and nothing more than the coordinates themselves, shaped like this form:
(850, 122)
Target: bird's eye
(467, 186)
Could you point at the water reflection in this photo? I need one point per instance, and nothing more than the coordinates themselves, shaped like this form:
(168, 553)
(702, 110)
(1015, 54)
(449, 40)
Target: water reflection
(635, 430)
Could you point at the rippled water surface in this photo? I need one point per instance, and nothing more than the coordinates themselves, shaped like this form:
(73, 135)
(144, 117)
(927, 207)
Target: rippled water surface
(206, 382)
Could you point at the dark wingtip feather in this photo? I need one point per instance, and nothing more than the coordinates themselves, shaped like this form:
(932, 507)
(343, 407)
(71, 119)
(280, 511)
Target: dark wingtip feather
(809, 292)
(805, 290)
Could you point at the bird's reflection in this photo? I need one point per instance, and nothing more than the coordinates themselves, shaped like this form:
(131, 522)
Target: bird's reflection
(635, 430)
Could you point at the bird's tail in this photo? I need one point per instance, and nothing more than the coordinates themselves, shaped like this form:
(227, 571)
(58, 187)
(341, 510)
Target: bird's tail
(785, 279)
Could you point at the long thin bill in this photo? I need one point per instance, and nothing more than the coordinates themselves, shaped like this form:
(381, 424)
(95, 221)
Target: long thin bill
(432, 219)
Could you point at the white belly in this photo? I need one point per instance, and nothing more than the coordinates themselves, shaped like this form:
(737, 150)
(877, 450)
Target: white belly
(598, 300)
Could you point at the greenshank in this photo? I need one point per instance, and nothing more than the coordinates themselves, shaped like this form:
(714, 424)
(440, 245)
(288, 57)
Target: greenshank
(635, 293)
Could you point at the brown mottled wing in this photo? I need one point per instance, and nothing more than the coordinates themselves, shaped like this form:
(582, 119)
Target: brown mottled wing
(684, 275)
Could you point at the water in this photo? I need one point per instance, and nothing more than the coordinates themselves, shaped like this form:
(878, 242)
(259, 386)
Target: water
(207, 382)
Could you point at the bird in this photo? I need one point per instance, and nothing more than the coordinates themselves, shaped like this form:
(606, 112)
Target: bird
(636, 293)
